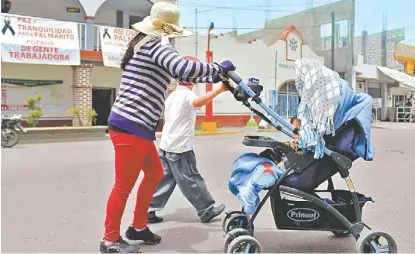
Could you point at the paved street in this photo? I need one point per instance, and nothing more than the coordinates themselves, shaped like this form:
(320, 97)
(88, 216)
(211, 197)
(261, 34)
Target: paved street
(54, 197)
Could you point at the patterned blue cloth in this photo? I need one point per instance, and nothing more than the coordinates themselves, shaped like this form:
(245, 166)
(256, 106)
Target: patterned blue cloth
(319, 90)
(252, 173)
(327, 102)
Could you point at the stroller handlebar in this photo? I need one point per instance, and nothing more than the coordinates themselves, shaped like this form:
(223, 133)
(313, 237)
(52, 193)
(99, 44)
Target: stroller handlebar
(235, 78)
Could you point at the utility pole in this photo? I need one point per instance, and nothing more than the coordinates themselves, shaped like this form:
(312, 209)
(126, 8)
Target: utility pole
(333, 31)
(234, 23)
(267, 12)
(352, 30)
(364, 46)
(309, 4)
(196, 34)
(384, 38)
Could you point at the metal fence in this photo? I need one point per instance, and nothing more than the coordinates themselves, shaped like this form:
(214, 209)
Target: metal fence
(405, 114)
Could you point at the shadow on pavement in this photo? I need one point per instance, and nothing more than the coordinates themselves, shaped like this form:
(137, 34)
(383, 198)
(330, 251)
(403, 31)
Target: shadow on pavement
(188, 215)
(272, 240)
(276, 242)
(181, 240)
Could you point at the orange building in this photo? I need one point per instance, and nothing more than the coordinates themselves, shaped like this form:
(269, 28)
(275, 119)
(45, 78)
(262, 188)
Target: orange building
(405, 53)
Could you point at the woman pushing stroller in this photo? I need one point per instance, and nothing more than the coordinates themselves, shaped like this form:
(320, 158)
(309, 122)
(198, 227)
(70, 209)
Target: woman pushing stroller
(148, 66)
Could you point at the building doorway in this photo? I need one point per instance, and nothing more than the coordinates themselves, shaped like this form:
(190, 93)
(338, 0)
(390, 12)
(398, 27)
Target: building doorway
(102, 100)
(288, 100)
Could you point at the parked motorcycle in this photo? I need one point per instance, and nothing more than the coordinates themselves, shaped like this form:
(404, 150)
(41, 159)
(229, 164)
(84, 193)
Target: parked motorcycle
(10, 127)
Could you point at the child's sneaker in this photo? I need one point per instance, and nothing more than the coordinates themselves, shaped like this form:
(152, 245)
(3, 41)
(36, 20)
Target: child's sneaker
(216, 211)
(153, 218)
(143, 235)
(119, 246)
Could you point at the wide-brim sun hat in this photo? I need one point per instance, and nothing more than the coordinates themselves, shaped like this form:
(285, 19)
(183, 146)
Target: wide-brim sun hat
(163, 21)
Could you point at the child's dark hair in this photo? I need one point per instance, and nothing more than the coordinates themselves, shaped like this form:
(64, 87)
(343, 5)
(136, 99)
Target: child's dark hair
(130, 50)
(293, 119)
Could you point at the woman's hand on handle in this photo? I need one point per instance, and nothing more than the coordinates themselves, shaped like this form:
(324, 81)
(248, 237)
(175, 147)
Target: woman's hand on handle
(227, 66)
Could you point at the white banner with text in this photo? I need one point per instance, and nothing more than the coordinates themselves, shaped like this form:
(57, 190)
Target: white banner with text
(39, 41)
(114, 43)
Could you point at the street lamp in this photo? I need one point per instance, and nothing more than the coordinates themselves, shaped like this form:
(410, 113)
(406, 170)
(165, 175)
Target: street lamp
(209, 59)
(210, 32)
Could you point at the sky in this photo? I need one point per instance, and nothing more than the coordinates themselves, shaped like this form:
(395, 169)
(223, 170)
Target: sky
(245, 14)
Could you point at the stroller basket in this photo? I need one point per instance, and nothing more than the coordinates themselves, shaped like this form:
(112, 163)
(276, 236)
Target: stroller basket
(301, 214)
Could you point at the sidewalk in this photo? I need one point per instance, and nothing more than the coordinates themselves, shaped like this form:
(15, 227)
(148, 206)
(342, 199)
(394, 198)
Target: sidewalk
(394, 126)
(273, 131)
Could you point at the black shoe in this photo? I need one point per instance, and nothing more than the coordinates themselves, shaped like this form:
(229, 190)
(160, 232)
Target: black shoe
(216, 211)
(144, 235)
(153, 218)
(119, 246)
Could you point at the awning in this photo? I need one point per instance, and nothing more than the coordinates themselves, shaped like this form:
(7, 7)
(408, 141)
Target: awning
(403, 79)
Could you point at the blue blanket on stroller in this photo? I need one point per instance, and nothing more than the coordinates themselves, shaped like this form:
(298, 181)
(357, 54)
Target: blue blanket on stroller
(249, 175)
(252, 173)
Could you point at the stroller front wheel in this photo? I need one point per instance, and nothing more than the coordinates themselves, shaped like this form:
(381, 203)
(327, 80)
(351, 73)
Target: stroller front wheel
(376, 242)
(244, 244)
(231, 235)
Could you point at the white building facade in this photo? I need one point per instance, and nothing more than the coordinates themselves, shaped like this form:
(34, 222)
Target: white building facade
(272, 65)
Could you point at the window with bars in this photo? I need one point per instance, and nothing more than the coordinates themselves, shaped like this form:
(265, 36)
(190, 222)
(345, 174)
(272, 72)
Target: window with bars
(288, 100)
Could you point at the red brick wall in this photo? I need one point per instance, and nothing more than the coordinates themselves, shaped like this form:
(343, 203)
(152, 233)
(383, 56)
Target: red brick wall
(82, 90)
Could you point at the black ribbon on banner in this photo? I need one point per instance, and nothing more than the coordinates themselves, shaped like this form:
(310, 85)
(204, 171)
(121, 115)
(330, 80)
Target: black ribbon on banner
(106, 33)
(7, 26)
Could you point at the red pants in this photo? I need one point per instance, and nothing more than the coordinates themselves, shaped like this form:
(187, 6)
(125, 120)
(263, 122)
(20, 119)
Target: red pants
(132, 154)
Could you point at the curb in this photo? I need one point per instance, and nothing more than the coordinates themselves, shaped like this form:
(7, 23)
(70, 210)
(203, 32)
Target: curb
(62, 134)
(268, 130)
(379, 127)
(207, 133)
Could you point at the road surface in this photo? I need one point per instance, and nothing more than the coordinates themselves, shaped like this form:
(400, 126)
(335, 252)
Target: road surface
(54, 197)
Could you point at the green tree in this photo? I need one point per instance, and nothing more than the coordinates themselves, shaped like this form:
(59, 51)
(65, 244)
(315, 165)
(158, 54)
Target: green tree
(91, 115)
(35, 111)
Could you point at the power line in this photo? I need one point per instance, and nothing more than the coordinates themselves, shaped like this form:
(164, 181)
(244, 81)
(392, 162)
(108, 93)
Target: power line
(253, 28)
(266, 28)
(256, 6)
(261, 10)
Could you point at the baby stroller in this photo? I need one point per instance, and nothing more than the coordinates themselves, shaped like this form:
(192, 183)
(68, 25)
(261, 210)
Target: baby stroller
(308, 210)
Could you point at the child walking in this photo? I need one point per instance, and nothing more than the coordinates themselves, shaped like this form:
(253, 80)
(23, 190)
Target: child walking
(176, 151)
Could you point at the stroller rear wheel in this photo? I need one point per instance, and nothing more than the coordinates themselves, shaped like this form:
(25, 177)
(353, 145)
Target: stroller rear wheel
(376, 242)
(231, 235)
(244, 244)
(341, 233)
(237, 220)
